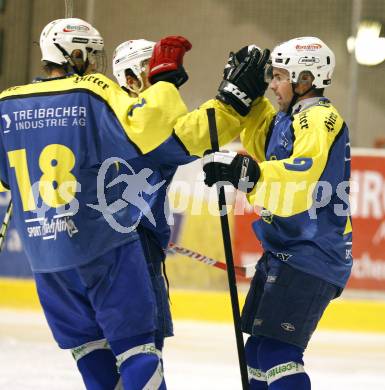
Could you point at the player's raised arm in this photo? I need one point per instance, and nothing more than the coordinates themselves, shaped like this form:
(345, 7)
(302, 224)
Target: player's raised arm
(189, 137)
(240, 88)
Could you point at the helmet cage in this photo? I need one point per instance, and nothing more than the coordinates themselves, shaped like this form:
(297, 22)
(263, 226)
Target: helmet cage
(61, 37)
(97, 62)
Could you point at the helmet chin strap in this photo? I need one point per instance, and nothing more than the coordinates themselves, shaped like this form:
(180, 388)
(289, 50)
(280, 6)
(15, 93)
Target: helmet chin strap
(296, 96)
(71, 62)
(136, 90)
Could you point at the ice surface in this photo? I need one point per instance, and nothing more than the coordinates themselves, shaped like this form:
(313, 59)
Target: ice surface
(201, 356)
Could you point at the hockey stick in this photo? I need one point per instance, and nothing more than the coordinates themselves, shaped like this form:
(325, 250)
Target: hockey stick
(244, 271)
(229, 258)
(5, 224)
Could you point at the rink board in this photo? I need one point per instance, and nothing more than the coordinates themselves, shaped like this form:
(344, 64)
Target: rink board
(195, 225)
(342, 314)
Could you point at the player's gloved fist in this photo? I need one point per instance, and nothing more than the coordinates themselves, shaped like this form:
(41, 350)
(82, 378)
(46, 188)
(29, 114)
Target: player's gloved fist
(235, 59)
(241, 171)
(166, 63)
(243, 78)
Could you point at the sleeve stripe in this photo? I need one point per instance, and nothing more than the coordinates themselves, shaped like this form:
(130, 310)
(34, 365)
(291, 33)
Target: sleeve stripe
(182, 145)
(50, 93)
(336, 138)
(292, 138)
(4, 184)
(268, 135)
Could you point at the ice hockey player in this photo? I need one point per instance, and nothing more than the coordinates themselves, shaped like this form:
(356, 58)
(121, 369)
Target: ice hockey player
(301, 181)
(56, 135)
(131, 66)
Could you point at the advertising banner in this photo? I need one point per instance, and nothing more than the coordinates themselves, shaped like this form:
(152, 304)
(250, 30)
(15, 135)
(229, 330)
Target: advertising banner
(199, 229)
(368, 208)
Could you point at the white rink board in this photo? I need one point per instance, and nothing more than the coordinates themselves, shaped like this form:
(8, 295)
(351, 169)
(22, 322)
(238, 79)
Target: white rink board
(201, 356)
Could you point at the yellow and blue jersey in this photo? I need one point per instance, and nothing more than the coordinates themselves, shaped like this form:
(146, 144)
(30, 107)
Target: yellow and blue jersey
(55, 137)
(304, 189)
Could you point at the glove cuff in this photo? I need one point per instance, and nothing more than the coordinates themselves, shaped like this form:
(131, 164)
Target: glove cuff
(248, 173)
(177, 77)
(230, 94)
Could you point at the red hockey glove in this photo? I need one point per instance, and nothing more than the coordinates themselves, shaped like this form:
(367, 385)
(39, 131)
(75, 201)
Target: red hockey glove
(166, 63)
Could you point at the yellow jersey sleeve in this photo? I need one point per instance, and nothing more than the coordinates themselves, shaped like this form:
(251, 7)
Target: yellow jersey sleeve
(156, 114)
(256, 128)
(160, 112)
(150, 119)
(147, 120)
(193, 129)
(286, 186)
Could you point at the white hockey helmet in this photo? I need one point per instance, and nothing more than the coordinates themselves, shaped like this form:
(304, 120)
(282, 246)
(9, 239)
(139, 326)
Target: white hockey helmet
(62, 36)
(305, 54)
(130, 55)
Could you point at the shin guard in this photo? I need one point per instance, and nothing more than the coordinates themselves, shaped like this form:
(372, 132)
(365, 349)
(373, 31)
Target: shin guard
(283, 365)
(257, 378)
(139, 363)
(97, 365)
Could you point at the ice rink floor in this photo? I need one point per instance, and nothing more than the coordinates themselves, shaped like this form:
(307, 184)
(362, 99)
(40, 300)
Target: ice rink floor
(202, 356)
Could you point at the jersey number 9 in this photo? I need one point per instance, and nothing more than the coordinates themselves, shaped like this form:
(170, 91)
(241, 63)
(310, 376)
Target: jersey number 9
(299, 164)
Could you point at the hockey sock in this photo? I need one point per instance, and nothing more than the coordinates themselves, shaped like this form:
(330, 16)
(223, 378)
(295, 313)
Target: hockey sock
(159, 342)
(97, 365)
(139, 362)
(283, 365)
(257, 378)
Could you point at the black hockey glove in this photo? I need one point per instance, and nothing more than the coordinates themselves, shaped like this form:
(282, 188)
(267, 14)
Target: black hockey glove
(241, 171)
(243, 78)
